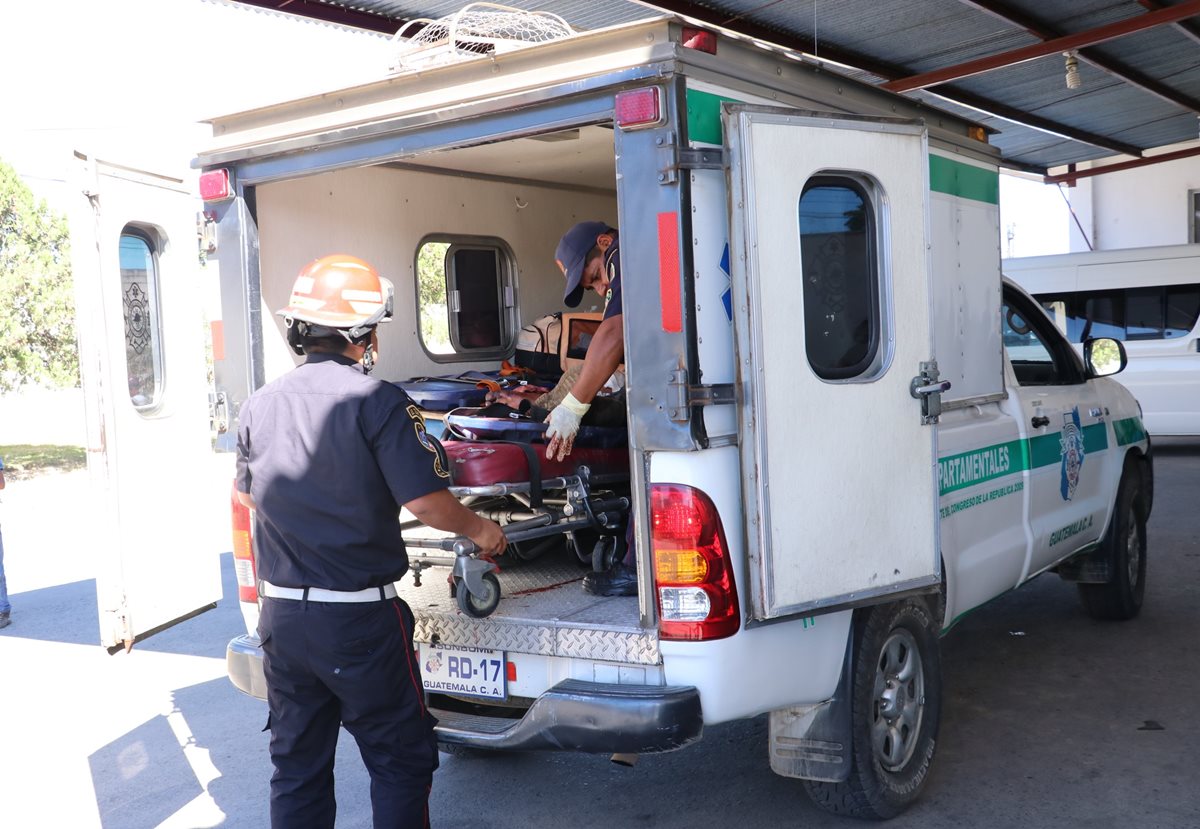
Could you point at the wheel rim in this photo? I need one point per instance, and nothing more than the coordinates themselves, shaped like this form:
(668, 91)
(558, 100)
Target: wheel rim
(489, 595)
(1133, 548)
(899, 701)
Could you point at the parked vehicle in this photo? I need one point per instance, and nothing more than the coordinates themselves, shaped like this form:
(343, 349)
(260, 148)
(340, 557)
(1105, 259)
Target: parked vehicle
(1149, 298)
(845, 429)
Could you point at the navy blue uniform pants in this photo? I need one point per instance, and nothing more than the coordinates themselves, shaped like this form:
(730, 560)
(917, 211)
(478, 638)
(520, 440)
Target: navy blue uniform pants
(351, 664)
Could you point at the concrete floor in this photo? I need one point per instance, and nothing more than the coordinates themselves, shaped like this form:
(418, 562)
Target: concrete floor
(1050, 720)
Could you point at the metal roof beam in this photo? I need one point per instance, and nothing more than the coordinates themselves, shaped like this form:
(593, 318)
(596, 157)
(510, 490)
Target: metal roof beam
(1038, 29)
(888, 71)
(1188, 28)
(1169, 14)
(1073, 175)
(318, 10)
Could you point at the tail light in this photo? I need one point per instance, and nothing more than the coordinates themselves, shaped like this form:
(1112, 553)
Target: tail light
(693, 579)
(243, 550)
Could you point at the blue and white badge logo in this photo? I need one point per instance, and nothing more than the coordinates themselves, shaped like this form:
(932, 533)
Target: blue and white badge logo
(1071, 442)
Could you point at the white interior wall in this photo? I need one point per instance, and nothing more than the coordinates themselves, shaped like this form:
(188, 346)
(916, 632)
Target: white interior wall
(382, 214)
(1143, 207)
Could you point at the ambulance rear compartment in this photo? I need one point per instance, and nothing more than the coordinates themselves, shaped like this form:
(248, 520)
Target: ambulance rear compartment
(468, 237)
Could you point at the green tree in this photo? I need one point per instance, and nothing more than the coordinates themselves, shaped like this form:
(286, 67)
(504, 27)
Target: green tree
(37, 306)
(431, 297)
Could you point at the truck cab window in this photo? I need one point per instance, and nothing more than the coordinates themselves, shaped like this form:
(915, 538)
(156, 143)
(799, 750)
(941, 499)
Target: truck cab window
(143, 318)
(465, 298)
(839, 277)
(1038, 353)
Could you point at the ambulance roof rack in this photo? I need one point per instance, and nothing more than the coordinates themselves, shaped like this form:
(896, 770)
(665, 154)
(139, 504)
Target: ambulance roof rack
(474, 30)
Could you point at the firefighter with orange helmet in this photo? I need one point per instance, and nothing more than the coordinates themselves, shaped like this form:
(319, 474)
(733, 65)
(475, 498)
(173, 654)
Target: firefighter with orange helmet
(327, 456)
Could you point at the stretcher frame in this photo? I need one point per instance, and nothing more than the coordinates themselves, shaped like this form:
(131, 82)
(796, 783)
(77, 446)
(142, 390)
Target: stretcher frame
(569, 503)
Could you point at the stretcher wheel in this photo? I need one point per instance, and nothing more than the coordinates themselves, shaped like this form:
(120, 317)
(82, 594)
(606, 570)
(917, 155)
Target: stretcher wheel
(603, 553)
(478, 606)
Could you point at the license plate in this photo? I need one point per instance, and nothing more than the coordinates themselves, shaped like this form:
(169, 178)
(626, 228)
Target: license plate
(463, 671)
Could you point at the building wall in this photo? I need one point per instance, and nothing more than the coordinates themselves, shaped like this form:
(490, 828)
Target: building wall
(1143, 207)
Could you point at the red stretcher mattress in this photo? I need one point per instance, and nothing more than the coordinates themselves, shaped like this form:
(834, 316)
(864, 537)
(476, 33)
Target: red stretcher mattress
(479, 463)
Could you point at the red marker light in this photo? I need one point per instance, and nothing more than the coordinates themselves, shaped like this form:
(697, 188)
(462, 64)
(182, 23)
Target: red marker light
(700, 40)
(215, 186)
(638, 108)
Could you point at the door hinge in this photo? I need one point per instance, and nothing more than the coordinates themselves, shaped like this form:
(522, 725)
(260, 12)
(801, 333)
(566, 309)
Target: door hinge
(682, 396)
(928, 389)
(676, 158)
(701, 158)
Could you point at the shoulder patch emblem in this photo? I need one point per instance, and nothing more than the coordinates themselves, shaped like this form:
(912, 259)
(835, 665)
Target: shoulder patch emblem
(441, 465)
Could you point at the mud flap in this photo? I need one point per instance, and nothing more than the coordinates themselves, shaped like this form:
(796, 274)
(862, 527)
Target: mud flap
(815, 742)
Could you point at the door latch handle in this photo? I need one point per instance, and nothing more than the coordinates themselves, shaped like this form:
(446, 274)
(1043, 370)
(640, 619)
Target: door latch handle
(1039, 421)
(928, 389)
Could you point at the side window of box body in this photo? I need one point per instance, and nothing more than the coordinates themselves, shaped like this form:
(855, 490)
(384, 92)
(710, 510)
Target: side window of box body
(841, 273)
(466, 297)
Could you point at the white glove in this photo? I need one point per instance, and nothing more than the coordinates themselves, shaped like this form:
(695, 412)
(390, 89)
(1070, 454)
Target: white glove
(564, 425)
(617, 382)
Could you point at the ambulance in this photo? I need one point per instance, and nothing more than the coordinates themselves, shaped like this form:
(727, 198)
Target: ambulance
(846, 429)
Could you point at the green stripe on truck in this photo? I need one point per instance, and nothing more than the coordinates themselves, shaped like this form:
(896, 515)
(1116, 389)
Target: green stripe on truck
(1129, 430)
(963, 180)
(989, 463)
(946, 175)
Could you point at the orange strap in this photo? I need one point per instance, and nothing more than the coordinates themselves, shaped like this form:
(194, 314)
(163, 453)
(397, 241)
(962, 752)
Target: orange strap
(507, 369)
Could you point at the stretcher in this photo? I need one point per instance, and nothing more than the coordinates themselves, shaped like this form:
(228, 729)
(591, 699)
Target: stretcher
(499, 469)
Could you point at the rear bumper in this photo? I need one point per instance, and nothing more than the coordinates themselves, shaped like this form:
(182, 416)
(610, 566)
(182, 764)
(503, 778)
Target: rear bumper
(573, 715)
(587, 716)
(243, 661)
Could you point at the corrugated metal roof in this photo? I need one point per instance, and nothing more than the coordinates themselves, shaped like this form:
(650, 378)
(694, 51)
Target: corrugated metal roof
(1039, 123)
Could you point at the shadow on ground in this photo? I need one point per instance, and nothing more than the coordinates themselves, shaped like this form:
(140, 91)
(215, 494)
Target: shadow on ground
(67, 613)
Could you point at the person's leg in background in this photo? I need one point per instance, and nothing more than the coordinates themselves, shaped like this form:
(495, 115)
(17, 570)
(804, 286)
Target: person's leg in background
(5, 607)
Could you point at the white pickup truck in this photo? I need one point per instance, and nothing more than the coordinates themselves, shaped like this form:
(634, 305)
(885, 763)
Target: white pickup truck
(845, 429)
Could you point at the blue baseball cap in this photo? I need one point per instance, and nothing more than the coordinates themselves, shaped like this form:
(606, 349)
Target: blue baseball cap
(571, 256)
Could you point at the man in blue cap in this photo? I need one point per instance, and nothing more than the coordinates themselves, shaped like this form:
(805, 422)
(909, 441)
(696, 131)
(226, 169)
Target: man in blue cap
(589, 257)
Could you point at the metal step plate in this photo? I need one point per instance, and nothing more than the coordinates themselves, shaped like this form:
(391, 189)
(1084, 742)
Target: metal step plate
(543, 610)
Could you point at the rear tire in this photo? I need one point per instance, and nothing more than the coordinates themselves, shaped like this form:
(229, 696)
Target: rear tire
(1124, 545)
(895, 711)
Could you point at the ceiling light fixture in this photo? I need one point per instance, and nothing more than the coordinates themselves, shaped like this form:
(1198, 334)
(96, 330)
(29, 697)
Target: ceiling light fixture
(1073, 79)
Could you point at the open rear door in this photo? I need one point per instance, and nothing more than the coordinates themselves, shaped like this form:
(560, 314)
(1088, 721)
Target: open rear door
(142, 358)
(832, 311)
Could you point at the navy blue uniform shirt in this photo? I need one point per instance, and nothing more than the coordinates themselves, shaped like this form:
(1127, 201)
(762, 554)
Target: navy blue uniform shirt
(329, 455)
(612, 264)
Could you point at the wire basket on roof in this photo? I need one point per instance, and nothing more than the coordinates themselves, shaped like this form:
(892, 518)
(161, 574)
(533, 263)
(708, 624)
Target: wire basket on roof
(475, 29)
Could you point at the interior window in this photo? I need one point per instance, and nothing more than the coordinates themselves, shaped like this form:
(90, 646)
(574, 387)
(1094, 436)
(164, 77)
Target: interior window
(465, 298)
(839, 277)
(1036, 358)
(143, 319)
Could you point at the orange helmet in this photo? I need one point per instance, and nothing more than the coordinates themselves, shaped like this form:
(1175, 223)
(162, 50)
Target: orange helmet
(339, 292)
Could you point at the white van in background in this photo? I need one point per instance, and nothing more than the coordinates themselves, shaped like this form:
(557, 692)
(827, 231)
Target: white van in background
(1147, 297)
